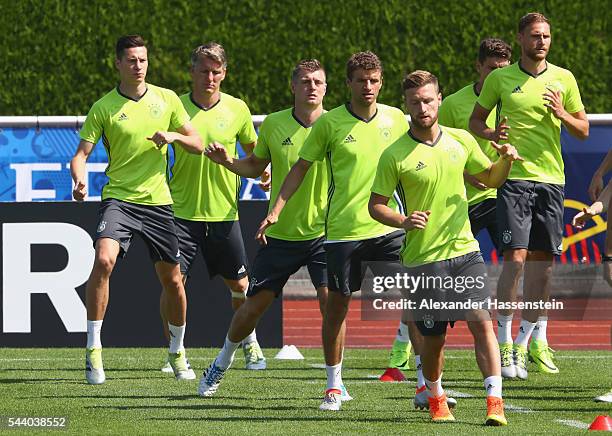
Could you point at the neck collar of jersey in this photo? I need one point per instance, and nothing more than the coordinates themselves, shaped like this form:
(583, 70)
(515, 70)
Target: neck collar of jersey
(200, 106)
(535, 76)
(433, 144)
(131, 98)
(348, 108)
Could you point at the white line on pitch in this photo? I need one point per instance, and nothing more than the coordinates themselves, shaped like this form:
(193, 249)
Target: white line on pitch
(573, 423)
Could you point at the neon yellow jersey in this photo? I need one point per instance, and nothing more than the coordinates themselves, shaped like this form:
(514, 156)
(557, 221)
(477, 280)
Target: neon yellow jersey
(281, 137)
(201, 189)
(535, 131)
(455, 112)
(352, 148)
(430, 177)
(137, 170)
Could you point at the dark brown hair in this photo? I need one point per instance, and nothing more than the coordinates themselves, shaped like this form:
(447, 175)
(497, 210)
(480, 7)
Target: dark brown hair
(365, 60)
(128, 41)
(492, 47)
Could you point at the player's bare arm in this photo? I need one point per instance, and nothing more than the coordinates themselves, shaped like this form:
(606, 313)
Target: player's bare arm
(381, 212)
(251, 166)
(596, 185)
(478, 125)
(291, 184)
(598, 206)
(576, 123)
(497, 173)
(186, 136)
(77, 169)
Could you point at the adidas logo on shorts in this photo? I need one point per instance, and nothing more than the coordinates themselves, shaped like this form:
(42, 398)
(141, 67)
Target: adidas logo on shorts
(242, 269)
(287, 141)
(349, 139)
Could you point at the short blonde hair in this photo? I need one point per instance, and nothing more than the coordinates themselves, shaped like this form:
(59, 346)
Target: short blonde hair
(419, 78)
(211, 50)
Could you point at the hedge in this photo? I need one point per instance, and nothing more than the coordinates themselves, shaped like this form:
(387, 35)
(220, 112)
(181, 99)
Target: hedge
(57, 56)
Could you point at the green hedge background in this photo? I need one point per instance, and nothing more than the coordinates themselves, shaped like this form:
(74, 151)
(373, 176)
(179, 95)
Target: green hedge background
(57, 56)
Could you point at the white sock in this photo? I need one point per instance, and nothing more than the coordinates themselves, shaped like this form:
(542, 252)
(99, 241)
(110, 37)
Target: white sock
(524, 332)
(493, 385)
(539, 331)
(435, 387)
(252, 337)
(177, 334)
(504, 329)
(334, 376)
(93, 334)
(402, 333)
(226, 355)
(419, 371)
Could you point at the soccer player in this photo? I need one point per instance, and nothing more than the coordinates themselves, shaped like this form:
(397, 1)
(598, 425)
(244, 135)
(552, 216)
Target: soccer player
(534, 98)
(297, 238)
(455, 112)
(205, 194)
(133, 121)
(426, 166)
(602, 202)
(351, 137)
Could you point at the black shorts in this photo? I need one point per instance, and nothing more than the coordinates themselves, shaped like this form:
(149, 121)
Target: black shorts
(221, 245)
(345, 271)
(119, 220)
(530, 215)
(279, 259)
(460, 279)
(483, 216)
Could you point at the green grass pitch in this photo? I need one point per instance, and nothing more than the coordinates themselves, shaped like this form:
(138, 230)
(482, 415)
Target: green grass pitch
(139, 399)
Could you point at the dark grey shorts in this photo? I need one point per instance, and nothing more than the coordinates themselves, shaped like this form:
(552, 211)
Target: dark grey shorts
(119, 220)
(460, 279)
(221, 245)
(279, 259)
(345, 260)
(530, 215)
(483, 215)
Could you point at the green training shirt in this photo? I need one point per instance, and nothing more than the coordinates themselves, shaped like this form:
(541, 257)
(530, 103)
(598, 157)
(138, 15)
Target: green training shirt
(352, 147)
(535, 131)
(137, 170)
(201, 189)
(455, 112)
(430, 177)
(281, 137)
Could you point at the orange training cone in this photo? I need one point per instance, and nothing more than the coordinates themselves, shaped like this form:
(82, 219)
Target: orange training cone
(602, 422)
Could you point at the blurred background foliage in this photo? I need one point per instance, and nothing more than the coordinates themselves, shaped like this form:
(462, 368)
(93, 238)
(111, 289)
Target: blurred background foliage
(57, 55)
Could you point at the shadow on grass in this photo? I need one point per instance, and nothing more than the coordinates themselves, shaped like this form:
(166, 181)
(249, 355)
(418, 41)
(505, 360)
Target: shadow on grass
(201, 406)
(327, 418)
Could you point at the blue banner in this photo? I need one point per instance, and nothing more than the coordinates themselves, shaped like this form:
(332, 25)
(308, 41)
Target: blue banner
(34, 166)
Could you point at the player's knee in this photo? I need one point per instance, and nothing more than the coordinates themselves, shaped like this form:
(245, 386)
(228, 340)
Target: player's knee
(104, 263)
(240, 286)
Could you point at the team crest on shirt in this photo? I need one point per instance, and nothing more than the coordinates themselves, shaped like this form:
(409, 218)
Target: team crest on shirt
(454, 150)
(385, 133)
(155, 110)
(555, 85)
(222, 123)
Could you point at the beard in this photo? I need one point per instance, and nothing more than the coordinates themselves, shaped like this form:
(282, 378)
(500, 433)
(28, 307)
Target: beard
(425, 124)
(535, 55)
